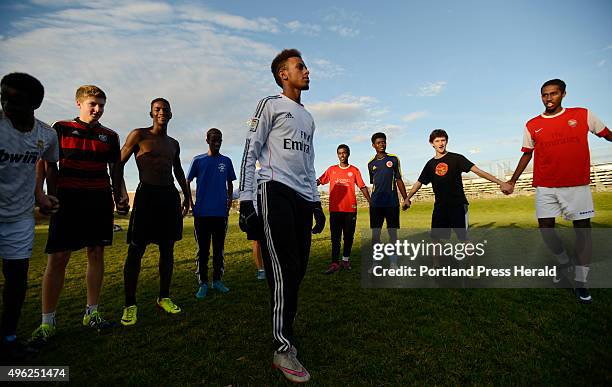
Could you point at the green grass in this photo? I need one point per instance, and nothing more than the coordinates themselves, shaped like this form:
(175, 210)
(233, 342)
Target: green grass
(346, 335)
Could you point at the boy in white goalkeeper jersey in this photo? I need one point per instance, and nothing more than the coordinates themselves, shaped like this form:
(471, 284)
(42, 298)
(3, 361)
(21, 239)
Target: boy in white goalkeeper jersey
(281, 137)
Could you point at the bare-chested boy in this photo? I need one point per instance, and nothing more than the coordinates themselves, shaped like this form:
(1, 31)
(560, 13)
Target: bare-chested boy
(156, 214)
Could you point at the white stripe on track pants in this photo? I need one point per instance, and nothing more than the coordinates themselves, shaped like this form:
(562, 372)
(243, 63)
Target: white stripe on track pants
(287, 222)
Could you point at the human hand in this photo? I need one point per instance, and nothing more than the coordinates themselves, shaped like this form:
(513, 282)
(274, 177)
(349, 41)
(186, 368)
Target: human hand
(507, 188)
(248, 220)
(122, 204)
(319, 217)
(47, 204)
(185, 206)
(405, 204)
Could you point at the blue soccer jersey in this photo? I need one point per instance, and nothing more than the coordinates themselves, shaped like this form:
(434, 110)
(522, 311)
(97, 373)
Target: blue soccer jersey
(384, 174)
(212, 174)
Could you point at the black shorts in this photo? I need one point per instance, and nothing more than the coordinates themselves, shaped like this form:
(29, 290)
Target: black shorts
(156, 215)
(84, 219)
(445, 218)
(379, 214)
(255, 235)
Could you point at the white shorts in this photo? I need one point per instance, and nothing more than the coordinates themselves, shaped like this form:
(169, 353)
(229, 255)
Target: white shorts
(16, 239)
(574, 203)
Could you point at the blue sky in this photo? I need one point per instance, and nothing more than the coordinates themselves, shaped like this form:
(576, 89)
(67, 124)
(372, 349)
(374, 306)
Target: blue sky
(473, 68)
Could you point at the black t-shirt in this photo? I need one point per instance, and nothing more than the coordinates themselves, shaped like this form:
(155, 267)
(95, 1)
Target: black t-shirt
(445, 176)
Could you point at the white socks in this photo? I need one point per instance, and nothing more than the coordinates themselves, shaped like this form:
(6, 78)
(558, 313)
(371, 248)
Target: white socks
(581, 273)
(49, 318)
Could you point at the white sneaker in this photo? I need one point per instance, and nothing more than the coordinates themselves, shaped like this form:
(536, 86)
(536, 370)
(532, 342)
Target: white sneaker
(290, 366)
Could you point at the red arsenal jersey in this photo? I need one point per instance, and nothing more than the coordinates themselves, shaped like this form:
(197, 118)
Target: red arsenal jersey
(342, 187)
(561, 147)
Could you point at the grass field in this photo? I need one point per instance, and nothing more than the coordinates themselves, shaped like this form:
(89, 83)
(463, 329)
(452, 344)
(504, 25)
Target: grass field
(346, 335)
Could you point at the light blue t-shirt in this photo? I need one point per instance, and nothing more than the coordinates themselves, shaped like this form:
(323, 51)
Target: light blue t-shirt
(212, 173)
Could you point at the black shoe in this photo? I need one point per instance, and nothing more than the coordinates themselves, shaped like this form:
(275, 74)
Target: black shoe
(582, 293)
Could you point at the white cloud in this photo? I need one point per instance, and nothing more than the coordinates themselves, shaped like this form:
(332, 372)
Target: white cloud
(414, 116)
(431, 89)
(341, 15)
(296, 26)
(601, 63)
(199, 14)
(349, 117)
(346, 32)
(343, 108)
(324, 69)
(474, 150)
(342, 22)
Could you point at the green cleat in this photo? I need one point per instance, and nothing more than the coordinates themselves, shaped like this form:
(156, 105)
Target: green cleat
(129, 315)
(168, 306)
(41, 336)
(96, 321)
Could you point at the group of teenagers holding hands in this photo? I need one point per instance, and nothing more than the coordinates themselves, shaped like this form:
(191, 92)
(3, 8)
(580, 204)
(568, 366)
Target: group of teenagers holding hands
(280, 207)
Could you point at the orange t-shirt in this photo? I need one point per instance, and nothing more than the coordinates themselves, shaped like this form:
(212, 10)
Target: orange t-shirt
(561, 147)
(342, 187)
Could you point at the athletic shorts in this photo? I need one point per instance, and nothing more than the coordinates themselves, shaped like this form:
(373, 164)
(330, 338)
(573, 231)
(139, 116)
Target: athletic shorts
(378, 215)
(574, 203)
(17, 238)
(156, 215)
(84, 219)
(255, 235)
(445, 218)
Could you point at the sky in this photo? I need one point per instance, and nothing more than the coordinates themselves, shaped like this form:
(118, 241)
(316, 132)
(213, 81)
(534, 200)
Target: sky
(473, 68)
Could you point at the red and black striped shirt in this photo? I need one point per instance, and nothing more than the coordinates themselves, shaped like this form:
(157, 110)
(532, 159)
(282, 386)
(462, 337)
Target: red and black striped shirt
(85, 152)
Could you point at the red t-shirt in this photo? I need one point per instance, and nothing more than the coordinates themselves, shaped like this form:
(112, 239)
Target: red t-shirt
(561, 147)
(342, 187)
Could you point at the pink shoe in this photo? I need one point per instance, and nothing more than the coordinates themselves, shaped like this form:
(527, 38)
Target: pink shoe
(334, 267)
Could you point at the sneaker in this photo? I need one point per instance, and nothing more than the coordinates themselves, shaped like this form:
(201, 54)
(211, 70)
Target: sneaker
(334, 267)
(202, 290)
(261, 275)
(218, 286)
(168, 306)
(290, 366)
(583, 295)
(41, 336)
(346, 265)
(129, 315)
(96, 321)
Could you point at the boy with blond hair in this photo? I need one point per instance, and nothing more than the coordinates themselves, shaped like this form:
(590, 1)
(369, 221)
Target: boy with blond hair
(88, 151)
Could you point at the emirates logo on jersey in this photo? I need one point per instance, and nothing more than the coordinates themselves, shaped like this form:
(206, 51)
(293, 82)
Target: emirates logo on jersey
(441, 169)
(389, 164)
(572, 123)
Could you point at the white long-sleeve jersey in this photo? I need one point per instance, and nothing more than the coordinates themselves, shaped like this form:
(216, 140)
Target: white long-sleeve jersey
(280, 136)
